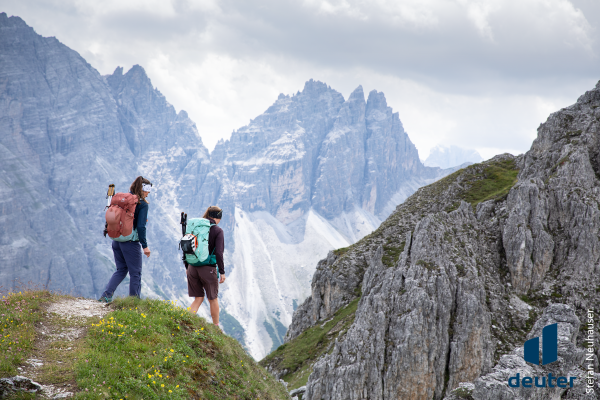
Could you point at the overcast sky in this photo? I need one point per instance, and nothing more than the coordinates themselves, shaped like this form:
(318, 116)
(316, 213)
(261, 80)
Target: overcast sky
(477, 74)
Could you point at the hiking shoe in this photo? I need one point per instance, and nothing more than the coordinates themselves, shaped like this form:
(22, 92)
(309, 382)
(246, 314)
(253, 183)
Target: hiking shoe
(105, 299)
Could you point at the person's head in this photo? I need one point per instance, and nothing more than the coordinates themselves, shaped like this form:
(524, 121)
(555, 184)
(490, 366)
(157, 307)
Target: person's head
(213, 212)
(141, 187)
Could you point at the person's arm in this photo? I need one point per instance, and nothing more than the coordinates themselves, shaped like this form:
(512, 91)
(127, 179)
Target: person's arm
(219, 248)
(141, 225)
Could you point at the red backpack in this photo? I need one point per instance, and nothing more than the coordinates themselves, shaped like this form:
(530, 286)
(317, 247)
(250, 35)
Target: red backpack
(119, 216)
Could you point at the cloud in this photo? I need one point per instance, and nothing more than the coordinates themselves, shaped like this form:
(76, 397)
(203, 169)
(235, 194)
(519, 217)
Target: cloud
(479, 73)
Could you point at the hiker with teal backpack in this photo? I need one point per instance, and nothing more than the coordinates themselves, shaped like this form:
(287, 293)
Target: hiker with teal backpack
(126, 225)
(203, 244)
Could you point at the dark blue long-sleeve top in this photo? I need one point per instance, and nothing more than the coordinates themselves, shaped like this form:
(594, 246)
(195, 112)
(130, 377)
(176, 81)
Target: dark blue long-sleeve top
(139, 221)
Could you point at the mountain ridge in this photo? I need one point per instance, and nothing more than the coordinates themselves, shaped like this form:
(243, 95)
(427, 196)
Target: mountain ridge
(452, 284)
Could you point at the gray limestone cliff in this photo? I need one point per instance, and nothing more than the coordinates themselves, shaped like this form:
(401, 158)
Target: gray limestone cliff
(54, 108)
(448, 288)
(65, 133)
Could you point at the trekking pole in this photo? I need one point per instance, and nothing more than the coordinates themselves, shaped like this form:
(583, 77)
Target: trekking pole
(110, 194)
(183, 223)
(183, 228)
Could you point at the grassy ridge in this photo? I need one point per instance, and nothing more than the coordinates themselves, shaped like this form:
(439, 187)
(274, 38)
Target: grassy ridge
(143, 349)
(495, 181)
(482, 182)
(299, 354)
(152, 349)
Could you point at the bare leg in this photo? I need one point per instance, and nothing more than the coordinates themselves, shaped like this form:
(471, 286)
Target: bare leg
(196, 304)
(214, 310)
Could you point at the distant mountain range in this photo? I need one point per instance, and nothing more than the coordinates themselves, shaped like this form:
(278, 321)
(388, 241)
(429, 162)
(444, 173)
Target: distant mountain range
(451, 156)
(313, 173)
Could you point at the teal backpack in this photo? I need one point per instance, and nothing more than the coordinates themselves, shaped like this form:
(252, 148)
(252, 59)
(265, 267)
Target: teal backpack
(195, 243)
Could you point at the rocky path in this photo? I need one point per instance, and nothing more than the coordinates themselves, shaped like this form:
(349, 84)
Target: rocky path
(50, 369)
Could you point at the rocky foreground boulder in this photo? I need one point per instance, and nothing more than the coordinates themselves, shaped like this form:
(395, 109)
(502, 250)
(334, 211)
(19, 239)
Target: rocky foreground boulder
(463, 273)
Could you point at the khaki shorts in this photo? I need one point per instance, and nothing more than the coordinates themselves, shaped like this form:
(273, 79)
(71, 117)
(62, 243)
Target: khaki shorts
(202, 279)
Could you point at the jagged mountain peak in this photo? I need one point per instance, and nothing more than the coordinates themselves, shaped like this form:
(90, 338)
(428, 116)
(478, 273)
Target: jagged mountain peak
(313, 87)
(376, 100)
(357, 94)
(118, 72)
(135, 79)
(13, 21)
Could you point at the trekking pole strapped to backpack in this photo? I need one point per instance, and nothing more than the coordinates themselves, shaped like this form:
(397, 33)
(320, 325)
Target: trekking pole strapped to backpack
(183, 223)
(110, 194)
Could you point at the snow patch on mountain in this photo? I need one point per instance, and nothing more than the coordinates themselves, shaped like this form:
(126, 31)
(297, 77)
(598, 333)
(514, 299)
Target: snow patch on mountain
(274, 264)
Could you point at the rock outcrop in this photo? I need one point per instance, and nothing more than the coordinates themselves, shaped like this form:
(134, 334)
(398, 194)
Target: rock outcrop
(467, 269)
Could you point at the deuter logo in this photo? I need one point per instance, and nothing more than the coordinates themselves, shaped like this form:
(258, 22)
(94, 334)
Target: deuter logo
(531, 354)
(549, 346)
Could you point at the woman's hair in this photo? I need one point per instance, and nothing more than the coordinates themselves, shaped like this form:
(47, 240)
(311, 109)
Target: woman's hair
(212, 210)
(136, 187)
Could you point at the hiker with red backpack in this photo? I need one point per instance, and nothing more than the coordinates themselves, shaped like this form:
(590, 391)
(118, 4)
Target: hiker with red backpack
(203, 244)
(126, 225)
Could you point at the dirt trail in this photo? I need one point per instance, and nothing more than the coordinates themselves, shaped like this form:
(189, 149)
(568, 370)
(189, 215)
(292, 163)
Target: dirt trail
(58, 340)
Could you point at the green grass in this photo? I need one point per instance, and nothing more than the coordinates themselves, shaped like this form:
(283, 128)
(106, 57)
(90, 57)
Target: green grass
(299, 354)
(19, 312)
(341, 251)
(392, 251)
(452, 207)
(152, 349)
(144, 349)
(428, 265)
(494, 182)
(463, 393)
(573, 133)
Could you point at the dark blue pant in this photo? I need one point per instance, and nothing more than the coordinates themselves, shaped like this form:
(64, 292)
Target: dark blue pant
(128, 258)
